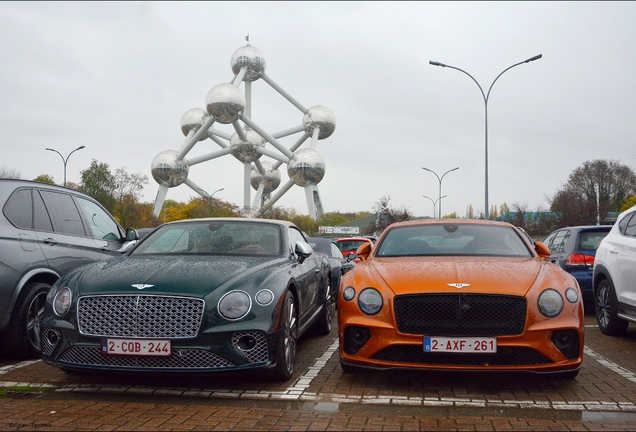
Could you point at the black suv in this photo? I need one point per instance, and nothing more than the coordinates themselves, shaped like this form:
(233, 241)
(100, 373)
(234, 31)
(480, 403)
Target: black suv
(45, 231)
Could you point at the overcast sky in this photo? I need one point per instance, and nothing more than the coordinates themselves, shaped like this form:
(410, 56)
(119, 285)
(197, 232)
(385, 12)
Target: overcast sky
(117, 77)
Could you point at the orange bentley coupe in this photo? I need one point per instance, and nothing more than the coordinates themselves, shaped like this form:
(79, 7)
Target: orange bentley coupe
(463, 295)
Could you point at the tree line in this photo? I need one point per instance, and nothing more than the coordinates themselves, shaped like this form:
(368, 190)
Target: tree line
(595, 191)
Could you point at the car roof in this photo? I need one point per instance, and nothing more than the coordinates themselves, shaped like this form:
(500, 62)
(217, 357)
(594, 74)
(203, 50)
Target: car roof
(32, 183)
(236, 219)
(451, 222)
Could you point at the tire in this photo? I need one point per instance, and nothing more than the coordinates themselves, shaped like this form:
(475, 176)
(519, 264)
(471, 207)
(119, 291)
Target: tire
(288, 339)
(607, 310)
(323, 325)
(22, 336)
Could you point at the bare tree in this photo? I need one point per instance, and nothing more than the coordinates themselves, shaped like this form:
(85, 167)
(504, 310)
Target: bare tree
(386, 215)
(607, 182)
(9, 173)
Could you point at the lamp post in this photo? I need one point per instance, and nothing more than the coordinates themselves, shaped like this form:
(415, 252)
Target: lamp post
(65, 160)
(210, 199)
(434, 203)
(440, 186)
(486, 96)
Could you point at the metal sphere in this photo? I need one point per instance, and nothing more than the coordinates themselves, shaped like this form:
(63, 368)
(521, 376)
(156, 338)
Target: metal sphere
(250, 57)
(225, 102)
(167, 170)
(306, 167)
(271, 178)
(246, 151)
(319, 116)
(193, 120)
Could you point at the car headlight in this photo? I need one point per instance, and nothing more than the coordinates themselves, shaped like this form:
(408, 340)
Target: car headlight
(572, 295)
(235, 305)
(51, 294)
(550, 303)
(62, 301)
(370, 301)
(349, 293)
(264, 297)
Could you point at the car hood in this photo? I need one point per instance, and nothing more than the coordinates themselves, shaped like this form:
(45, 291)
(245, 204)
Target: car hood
(192, 275)
(470, 274)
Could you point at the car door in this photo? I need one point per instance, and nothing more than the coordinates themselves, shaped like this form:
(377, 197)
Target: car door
(558, 247)
(622, 249)
(60, 231)
(307, 276)
(102, 228)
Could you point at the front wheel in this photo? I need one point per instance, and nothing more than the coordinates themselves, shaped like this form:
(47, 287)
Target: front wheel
(22, 336)
(326, 316)
(286, 352)
(607, 310)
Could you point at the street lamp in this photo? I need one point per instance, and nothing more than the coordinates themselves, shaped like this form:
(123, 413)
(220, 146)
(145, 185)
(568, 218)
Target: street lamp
(434, 203)
(65, 160)
(210, 199)
(440, 186)
(486, 96)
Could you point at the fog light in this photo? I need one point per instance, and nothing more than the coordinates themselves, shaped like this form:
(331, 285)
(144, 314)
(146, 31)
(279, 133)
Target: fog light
(52, 337)
(246, 343)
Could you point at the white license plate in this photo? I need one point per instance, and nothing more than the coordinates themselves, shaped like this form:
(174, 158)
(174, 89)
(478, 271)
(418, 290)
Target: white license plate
(460, 345)
(137, 347)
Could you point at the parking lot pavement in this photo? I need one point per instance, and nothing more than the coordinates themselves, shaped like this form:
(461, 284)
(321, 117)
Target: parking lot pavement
(321, 397)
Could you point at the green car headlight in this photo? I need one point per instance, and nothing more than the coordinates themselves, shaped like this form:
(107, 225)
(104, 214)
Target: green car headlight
(62, 301)
(235, 305)
(370, 301)
(550, 303)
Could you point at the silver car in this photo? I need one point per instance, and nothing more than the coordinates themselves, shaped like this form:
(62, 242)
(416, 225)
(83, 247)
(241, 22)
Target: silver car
(45, 231)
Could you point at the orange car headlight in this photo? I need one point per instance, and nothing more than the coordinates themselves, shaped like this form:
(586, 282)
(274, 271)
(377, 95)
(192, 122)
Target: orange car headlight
(550, 303)
(370, 301)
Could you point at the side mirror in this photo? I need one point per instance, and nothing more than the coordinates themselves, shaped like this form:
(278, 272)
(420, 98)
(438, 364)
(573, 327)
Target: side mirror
(131, 234)
(542, 250)
(303, 250)
(364, 251)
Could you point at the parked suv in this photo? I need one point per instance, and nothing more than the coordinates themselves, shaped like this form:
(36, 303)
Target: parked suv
(45, 231)
(614, 276)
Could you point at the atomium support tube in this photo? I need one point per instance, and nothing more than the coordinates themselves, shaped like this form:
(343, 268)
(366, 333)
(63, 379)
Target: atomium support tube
(289, 131)
(286, 95)
(208, 156)
(279, 157)
(196, 188)
(270, 202)
(187, 145)
(314, 138)
(265, 135)
(239, 77)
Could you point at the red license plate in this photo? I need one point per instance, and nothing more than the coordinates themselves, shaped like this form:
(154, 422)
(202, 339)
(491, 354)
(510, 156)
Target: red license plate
(460, 345)
(137, 347)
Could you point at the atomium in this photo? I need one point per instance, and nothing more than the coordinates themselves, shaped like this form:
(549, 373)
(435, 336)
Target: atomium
(227, 104)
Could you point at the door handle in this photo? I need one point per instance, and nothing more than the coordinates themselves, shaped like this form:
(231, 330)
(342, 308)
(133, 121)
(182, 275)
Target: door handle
(613, 251)
(50, 241)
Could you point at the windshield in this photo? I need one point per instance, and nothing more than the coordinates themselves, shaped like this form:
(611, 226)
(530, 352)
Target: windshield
(214, 238)
(350, 245)
(452, 239)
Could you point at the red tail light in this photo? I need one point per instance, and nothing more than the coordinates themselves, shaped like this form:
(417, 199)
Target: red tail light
(580, 260)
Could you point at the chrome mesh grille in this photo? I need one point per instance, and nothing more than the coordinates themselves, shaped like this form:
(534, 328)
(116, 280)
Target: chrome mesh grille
(47, 346)
(140, 316)
(259, 353)
(181, 358)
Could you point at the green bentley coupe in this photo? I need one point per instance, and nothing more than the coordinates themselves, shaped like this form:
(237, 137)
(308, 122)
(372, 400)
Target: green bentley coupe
(195, 296)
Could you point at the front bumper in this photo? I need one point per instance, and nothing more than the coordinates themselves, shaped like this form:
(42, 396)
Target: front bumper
(543, 351)
(217, 352)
